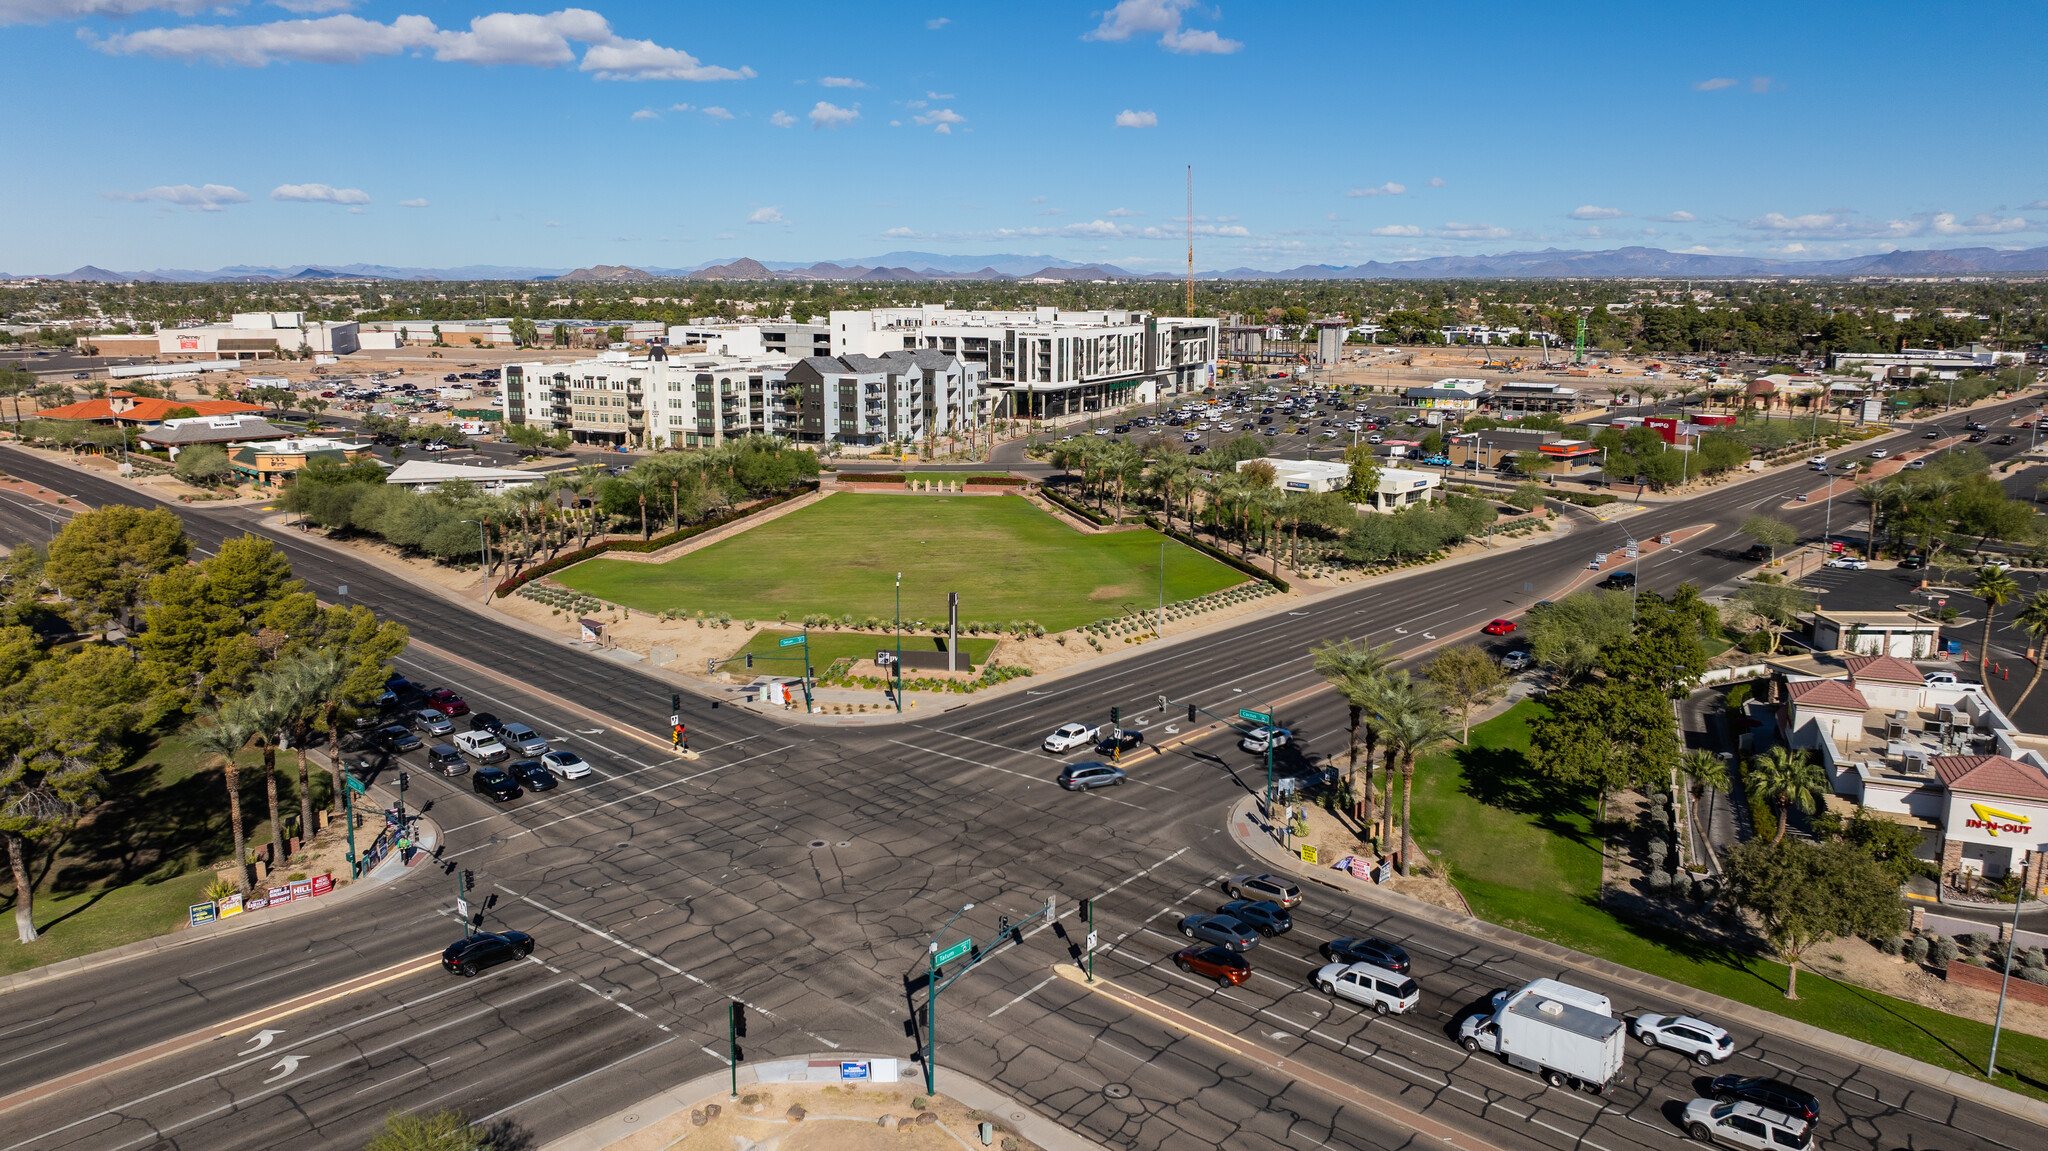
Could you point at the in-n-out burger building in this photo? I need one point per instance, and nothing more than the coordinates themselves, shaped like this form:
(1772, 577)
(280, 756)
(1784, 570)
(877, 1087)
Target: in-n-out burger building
(1940, 758)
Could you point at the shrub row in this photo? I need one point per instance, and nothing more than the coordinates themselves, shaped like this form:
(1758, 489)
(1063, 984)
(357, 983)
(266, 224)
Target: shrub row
(571, 558)
(1079, 509)
(1250, 569)
(1585, 499)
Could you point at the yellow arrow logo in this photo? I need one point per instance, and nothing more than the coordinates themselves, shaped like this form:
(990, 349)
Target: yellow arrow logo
(1989, 819)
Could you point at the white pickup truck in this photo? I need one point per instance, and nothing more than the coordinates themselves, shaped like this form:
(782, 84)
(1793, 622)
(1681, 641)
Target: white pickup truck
(482, 747)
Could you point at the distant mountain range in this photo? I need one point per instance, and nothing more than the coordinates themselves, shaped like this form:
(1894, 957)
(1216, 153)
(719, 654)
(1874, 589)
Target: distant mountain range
(1551, 263)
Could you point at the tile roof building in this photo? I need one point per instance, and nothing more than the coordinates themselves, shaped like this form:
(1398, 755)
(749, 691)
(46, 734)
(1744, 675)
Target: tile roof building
(132, 411)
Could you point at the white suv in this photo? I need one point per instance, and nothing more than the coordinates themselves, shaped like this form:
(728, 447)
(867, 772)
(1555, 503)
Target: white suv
(1374, 987)
(1750, 1125)
(1703, 1041)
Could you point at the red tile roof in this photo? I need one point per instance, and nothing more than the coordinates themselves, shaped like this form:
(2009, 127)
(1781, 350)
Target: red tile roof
(1991, 775)
(1832, 694)
(1883, 669)
(145, 409)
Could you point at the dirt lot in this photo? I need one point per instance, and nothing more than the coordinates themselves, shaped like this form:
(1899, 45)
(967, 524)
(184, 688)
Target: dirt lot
(782, 1117)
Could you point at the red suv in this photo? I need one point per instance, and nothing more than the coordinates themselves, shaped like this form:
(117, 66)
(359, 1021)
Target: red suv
(446, 702)
(1219, 963)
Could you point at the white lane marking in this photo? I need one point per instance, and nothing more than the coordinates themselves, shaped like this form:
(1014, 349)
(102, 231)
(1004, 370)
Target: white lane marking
(36, 1052)
(587, 1075)
(1020, 998)
(1018, 774)
(644, 793)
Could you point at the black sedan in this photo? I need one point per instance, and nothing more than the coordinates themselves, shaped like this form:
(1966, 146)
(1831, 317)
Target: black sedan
(396, 739)
(1377, 952)
(1261, 915)
(495, 783)
(485, 721)
(1771, 1093)
(531, 774)
(468, 956)
(1120, 743)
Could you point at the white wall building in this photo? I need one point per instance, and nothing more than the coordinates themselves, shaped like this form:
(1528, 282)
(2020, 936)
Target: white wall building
(247, 336)
(1398, 487)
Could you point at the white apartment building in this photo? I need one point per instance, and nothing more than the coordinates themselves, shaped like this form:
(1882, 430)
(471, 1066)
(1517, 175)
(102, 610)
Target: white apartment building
(768, 338)
(1048, 362)
(901, 396)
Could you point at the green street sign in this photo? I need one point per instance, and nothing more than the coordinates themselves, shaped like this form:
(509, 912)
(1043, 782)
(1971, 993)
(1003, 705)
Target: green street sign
(1254, 716)
(357, 785)
(792, 641)
(954, 952)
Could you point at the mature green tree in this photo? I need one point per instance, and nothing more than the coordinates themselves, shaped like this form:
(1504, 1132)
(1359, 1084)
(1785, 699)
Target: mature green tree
(204, 619)
(1363, 478)
(1803, 896)
(1465, 677)
(1413, 720)
(224, 738)
(1771, 532)
(204, 463)
(1605, 735)
(1526, 496)
(103, 558)
(1892, 845)
(1567, 636)
(1708, 772)
(1777, 605)
(2033, 619)
(1788, 779)
(1357, 670)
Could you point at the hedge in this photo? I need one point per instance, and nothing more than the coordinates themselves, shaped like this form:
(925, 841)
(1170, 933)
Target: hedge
(569, 559)
(900, 478)
(1584, 499)
(1249, 569)
(1076, 507)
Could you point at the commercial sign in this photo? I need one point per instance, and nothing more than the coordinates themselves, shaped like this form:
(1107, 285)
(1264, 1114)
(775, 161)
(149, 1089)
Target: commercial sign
(202, 913)
(1991, 821)
(854, 1069)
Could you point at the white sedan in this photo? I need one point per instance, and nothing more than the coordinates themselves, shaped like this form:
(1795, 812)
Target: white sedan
(1257, 739)
(1703, 1041)
(566, 764)
(1069, 737)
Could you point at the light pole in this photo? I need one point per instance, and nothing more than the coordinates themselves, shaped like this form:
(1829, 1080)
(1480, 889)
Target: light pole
(931, 1006)
(1162, 585)
(483, 547)
(2011, 945)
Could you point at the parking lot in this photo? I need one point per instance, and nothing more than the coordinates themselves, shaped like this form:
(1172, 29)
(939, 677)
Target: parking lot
(1291, 419)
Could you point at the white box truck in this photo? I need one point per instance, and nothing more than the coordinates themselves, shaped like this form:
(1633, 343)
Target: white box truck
(1554, 1036)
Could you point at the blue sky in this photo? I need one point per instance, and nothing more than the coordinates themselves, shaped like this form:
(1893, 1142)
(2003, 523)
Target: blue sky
(196, 133)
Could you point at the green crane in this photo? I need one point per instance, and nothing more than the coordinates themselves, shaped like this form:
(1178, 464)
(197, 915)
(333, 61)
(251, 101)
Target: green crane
(1579, 345)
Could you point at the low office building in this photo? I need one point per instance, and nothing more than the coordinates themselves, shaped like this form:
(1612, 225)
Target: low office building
(1455, 395)
(427, 475)
(190, 431)
(1489, 448)
(1905, 634)
(264, 464)
(1398, 487)
(128, 410)
(246, 336)
(1532, 396)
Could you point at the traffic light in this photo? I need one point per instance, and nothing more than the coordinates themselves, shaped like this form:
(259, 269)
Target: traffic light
(736, 1021)
(1162, 705)
(675, 708)
(1087, 911)
(1191, 713)
(1116, 718)
(403, 779)
(468, 880)
(750, 659)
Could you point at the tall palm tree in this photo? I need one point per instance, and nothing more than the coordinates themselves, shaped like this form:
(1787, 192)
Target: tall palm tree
(307, 681)
(1169, 473)
(1881, 497)
(1419, 725)
(2033, 619)
(224, 738)
(1996, 589)
(1708, 772)
(1122, 466)
(263, 714)
(1789, 779)
(1355, 669)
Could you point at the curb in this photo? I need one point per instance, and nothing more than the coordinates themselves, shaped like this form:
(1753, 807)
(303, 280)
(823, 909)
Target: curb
(1966, 1087)
(717, 1086)
(386, 872)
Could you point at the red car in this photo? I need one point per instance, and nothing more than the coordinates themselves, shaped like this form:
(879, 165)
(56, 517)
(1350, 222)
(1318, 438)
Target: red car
(1219, 963)
(446, 702)
(1497, 627)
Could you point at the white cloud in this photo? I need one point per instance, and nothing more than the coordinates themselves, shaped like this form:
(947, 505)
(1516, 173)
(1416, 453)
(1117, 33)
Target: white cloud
(1595, 212)
(717, 113)
(944, 119)
(1145, 17)
(841, 82)
(930, 95)
(904, 234)
(2036, 206)
(319, 194)
(682, 107)
(1715, 84)
(895, 123)
(1122, 213)
(1129, 119)
(43, 11)
(1397, 230)
(1830, 226)
(421, 203)
(647, 114)
(1052, 211)
(1387, 189)
(826, 115)
(1436, 181)
(1680, 217)
(304, 6)
(1981, 224)
(782, 119)
(1760, 84)
(1237, 230)
(766, 216)
(355, 211)
(1039, 200)
(529, 39)
(938, 22)
(206, 198)
(1456, 231)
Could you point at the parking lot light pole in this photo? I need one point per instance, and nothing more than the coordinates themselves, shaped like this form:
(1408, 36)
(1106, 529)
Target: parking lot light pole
(899, 643)
(931, 1008)
(2012, 945)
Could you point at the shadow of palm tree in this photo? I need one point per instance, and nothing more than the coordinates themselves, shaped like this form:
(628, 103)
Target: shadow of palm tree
(1506, 779)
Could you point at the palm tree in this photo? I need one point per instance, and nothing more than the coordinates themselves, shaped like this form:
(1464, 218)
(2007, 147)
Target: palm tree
(2033, 619)
(1417, 724)
(263, 714)
(1881, 497)
(1708, 772)
(1996, 589)
(1122, 465)
(1355, 669)
(307, 681)
(1789, 779)
(225, 737)
(1167, 476)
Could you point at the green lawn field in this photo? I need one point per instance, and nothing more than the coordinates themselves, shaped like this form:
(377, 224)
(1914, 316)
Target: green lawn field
(1007, 559)
(1525, 854)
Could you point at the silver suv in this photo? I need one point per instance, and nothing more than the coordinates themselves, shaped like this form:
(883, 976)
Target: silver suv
(522, 739)
(1748, 1125)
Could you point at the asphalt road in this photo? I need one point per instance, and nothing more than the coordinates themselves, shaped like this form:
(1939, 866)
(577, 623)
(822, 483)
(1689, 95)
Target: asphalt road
(802, 869)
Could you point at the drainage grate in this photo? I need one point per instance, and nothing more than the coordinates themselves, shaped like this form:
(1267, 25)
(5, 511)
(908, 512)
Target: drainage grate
(817, 843)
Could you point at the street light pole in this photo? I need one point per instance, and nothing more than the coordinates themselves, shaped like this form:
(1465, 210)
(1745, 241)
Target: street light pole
(2011, 945)
(899, 643)
(931, 1008)
(1272, 733)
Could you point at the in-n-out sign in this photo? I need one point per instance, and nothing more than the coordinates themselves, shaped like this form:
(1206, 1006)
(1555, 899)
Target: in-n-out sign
(1991, 821)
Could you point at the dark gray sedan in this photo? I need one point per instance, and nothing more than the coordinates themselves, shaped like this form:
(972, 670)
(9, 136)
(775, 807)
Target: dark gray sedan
(1222, 930)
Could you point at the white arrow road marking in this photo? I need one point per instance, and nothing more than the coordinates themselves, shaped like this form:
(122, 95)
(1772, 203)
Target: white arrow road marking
(1172, 729)
(285, 1067)
(1297, 613)
(263, 1039)
(592, 731)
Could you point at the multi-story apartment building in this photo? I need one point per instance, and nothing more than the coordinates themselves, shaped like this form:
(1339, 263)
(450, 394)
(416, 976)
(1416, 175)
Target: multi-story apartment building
(1048, 362)
(897, 397)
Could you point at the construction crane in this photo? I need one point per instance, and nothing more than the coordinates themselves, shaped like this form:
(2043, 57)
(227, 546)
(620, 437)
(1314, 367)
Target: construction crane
(1579, 345)
(1191, 242)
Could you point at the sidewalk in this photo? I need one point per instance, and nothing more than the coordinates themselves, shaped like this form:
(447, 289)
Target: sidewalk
(1244, 824)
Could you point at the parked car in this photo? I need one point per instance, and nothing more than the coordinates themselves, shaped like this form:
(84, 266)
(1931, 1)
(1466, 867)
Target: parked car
(397, 739)
(1259, 739)
(446, 760)
(1912, 563)
(1276, 888)
(1849, 562)
(1261, 915)
(1120, 742)
(1499, 627)
(482, 747)
(430, 722)
(1375, 987)
(521, 738)
(486, 949)
(1772, 1093)
(494, 783)
(1749, 1125)
(1520, 660)
(1222, 930)
(1701, 1040)
(1225, 966)
(1940, 679)
(1377, 952)
(1083, 776)
(1068, 737)
(566, 764)
(446, 702)
(531, 774)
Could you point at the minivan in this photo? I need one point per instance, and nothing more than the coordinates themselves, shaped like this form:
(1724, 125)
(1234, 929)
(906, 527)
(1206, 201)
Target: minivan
(1375, 987)
(446, 760)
